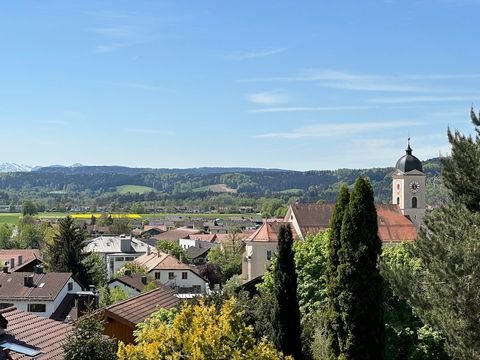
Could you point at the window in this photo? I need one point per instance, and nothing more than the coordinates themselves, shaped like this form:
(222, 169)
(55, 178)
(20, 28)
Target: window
(414, 202)
(269, 255)
(157, 275)
(184, 275)
(37, 307)
(398, 201)
(70, 286)
(197, 289)
(5, 305)
(171, 276)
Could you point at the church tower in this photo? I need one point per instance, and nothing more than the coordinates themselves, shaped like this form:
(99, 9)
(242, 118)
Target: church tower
(408, 188)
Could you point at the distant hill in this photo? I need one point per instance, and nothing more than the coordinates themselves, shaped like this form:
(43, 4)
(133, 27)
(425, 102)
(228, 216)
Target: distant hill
(82, 182)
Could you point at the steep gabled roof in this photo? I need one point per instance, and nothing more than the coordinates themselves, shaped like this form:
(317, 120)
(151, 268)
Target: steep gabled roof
(393, 226)
(158, 260)
(44, 334)
(45, 286)
(27, 256)
(268, 232)
(136, 309)
(135, 281)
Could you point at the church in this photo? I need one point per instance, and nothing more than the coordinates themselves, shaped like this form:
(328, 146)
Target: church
(397, 222)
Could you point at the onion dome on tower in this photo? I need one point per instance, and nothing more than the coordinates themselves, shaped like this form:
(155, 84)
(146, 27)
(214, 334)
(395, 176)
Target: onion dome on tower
(408, 162)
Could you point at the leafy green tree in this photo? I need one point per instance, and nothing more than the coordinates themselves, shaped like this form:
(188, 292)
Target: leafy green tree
(87, 342)
(201, 332)
(270, 207)
(29, 236)
(406, 336)
(6, 232)
(359, 281)
(137, 208)
(334, 328)
(120, 226)
(29, 208)
(286, 315)
(230, 263)
(172, 248)
(66, 252)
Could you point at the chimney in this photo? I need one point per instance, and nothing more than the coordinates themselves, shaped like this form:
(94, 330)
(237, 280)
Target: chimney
(12, 263)
(20, 260)
(144, 279)
(148, 250)
(28, 280)
(38, 269)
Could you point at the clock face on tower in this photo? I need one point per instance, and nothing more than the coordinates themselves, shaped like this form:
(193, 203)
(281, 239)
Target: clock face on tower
(414, 186)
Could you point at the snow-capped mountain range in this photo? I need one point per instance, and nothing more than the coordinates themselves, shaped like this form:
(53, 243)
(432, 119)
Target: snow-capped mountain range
(8, 167)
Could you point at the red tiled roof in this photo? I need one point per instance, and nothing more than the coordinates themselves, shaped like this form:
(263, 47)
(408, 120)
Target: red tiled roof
(175, 234)
(393, 225)
(12, 285)
(36, 331)
(160, 261)
(317, 215)
(136, 309)
(202, 237)
(27, 255)
(268, 232)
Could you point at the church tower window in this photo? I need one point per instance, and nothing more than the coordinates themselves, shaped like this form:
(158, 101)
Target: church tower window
(414, 202)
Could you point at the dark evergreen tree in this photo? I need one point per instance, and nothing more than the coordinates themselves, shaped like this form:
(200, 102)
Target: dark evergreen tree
(333, 318)
(444, 291)
(359, 281)
(66, 252)
(461, 170)
(286, 314)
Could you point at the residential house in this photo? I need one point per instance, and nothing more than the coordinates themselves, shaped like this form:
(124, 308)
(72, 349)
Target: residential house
(198, 240)
(184, 279)
(309, 219)
(22, 260)
(122, 318)
(132, 284)
(117, 250)
(29, 336)
(173, 235)
(260, 248)
(38, 292)
(197, 256)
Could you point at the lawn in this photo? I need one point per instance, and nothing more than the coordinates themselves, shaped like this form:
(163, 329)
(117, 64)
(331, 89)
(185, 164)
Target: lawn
(125, 189)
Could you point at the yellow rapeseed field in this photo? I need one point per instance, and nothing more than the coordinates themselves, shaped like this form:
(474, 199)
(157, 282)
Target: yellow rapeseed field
(97, 215)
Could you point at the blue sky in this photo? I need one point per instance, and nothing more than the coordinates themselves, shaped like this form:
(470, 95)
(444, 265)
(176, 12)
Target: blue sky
(281, 84)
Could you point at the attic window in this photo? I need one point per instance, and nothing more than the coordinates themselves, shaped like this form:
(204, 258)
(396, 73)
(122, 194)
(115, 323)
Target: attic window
(41, 285)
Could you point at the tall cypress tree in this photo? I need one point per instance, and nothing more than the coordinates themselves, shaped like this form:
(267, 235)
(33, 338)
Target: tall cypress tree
(359, 281)
(286, 314)
(333, 322)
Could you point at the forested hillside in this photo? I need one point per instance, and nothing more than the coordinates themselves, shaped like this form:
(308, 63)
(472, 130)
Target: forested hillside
(101, 185)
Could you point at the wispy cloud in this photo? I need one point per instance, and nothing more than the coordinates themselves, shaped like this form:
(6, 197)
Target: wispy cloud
(140, 86)
(246, 55)
(368, 82)
(423, 99)
(52, 122)
(120, 32)
(150, 131)
(311, 109)
(271, 97)
(338, 129)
